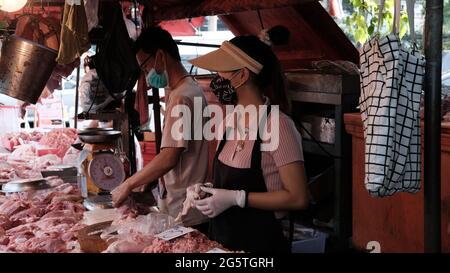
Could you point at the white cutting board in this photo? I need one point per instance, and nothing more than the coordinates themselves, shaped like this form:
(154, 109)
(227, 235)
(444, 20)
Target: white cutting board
(99, 216)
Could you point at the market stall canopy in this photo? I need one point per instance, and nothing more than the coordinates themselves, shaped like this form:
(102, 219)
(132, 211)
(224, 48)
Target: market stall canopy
(182, 27)
(179, 9)
(314, 34)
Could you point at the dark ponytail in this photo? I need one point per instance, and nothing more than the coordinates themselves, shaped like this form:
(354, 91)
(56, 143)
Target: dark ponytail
(271, 79)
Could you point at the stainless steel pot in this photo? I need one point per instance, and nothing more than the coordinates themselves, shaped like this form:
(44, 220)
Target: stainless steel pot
(25, 68)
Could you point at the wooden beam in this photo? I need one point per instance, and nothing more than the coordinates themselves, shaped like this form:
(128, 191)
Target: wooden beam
(335, 42)
(218, 7)
(58, 3)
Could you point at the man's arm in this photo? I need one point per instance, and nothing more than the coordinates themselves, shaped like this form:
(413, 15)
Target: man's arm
(165, 161)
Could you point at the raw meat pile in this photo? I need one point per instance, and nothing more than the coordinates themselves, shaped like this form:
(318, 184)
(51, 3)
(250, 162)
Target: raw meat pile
(131, 209)
(60, 139)
(24, 152)
(137, 234)
(17, 169)
(10, 140)
(7, 172)
(42, 221)
(134, 242)
(25, 166)
(193, 242)
(131, 243)
(29, 158)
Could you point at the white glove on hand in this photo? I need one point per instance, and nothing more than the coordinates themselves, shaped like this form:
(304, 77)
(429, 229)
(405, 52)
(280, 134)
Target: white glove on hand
(220, 201)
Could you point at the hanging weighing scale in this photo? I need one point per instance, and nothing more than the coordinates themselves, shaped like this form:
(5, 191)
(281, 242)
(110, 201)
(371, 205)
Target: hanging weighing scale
(102, 167)
(106, 170)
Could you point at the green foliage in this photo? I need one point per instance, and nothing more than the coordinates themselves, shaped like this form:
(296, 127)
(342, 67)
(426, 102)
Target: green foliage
(446, 27)
(363, 22)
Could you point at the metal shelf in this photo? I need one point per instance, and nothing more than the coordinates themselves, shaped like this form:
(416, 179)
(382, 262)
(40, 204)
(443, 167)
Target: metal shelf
(323, 98)
(316, 97)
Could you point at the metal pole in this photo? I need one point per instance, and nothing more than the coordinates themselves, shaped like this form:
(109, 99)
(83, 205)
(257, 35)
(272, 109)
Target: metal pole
(212, 24)
(197, 44)
(432, 164)
(157, 115)
(76, 98)
(129, 108)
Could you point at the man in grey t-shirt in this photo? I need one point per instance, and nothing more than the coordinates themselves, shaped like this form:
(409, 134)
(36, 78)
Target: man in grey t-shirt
(181, 162)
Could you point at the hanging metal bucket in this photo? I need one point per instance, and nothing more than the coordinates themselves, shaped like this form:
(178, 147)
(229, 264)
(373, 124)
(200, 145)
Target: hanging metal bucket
(25, 68)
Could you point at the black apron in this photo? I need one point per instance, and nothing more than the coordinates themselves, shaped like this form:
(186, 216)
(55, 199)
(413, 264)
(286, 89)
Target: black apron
(246, 229)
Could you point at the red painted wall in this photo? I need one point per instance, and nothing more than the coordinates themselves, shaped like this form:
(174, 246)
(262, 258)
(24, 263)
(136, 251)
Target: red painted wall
(396, 222)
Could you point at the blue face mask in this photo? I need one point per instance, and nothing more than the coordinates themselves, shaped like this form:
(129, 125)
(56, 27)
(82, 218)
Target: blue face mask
(157, 80)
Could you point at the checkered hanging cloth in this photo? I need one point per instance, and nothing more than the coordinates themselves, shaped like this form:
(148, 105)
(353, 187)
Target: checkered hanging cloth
(391, 84)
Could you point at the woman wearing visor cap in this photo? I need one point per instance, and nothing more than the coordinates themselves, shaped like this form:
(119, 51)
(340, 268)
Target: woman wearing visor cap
(253, 187)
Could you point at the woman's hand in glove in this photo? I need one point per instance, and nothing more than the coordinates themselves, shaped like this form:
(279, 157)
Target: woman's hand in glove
(219, 201)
